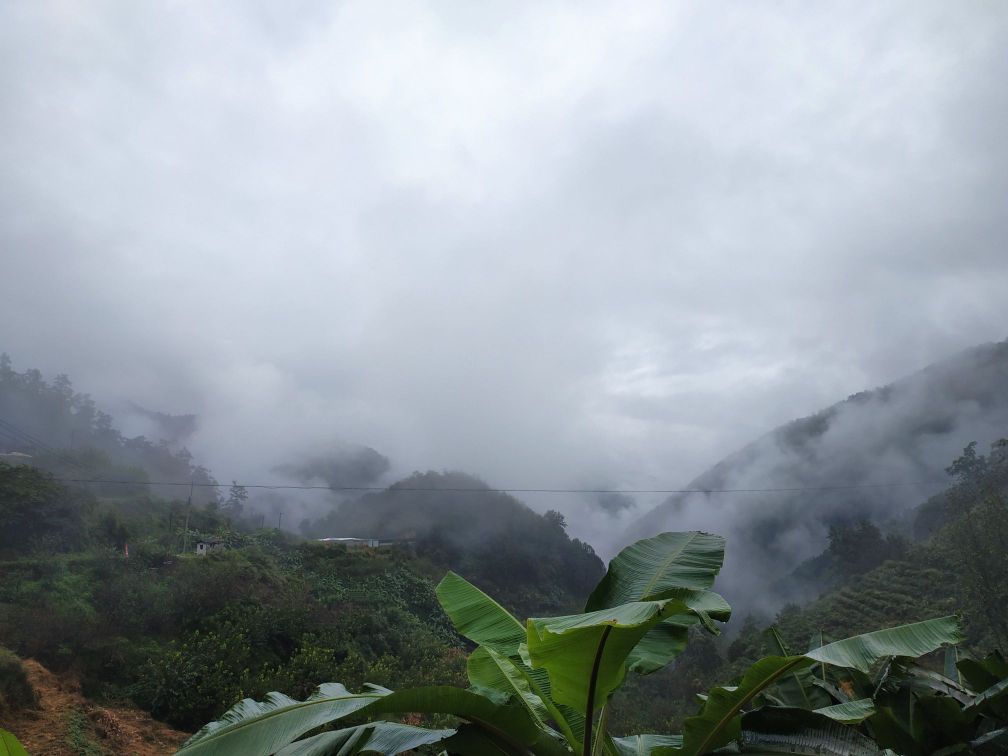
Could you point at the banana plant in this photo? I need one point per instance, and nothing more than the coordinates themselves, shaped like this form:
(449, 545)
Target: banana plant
(903, 705)
(541, 687)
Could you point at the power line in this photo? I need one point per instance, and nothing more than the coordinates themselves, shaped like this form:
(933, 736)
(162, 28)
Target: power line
(409, 489)
(12, 432)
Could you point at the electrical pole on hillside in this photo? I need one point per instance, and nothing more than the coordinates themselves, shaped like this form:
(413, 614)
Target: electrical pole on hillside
(279, 520)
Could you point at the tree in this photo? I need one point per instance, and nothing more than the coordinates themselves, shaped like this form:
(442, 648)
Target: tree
(970, 467)
(36, 512)
(235, 503)
(860, 548)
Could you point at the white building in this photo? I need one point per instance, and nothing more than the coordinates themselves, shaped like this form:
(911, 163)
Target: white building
(206, 546)
(16, 458)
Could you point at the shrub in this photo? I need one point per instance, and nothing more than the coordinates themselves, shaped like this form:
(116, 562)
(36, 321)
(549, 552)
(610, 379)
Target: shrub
(16, 692)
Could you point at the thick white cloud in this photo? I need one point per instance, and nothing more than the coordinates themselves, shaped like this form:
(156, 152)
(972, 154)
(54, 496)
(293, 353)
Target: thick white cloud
(542, 243)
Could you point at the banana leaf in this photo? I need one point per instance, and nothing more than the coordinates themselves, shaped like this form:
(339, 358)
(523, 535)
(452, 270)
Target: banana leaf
(586, 654)
(648, 745)
(775, 729)
(993, 701)
(992, 742)
(949, 668)
(918, 678)
(649, 569)
(680, 565)
(981, 675)
(377, 737)
(494, 672)
(9, 745)
(252, 727)
(511, 721)
(914, 640)
(797, 688)
(849, 712)
(666, 640)
(661, 644)
(719, 721)
(478, 617)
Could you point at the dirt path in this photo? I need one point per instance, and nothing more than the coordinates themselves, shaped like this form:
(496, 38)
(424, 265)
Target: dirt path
(67, 724)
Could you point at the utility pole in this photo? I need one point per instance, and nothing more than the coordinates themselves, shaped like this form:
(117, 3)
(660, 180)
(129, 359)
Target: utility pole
(279, 520)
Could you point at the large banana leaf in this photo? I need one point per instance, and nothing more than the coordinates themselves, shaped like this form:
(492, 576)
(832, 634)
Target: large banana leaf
(478, 617)
(649, 569)
(510, 721)
(666, 640)
(719, 722)
(9, 745)
(583, 649)
(776, 729)
(377, 737)
(661, 644)
(669, 565)
(916, 639)
(491, 671)
(252, 727)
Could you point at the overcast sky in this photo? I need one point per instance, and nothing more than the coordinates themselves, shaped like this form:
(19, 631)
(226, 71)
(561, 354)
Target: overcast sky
(548, 244)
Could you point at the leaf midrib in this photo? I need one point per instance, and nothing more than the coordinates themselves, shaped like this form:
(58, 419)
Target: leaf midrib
(665, 566)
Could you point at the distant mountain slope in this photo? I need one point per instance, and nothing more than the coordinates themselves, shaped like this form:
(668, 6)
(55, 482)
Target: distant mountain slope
(63, 431)
(523, 558)
(959, 568)
(905, 433)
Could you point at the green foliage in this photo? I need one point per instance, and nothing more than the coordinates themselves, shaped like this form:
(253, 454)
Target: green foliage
(9, 745)
(36, 513)
(78, 736)
(528, 690)
(858, 549)
(16, 691)
(380, 737)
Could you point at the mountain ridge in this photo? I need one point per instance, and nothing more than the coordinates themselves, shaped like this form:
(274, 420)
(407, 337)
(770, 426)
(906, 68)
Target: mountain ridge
(846, 457)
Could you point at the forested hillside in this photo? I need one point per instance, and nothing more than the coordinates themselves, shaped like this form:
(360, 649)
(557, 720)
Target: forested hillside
(956, 565)
(871, 457)
(100, 581)
(65, 432)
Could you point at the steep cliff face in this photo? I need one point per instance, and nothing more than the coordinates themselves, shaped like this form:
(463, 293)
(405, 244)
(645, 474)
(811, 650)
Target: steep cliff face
(871, 456)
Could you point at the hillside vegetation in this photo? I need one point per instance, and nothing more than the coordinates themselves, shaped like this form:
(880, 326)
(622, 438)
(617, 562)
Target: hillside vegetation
(184, 636)
(101, 582)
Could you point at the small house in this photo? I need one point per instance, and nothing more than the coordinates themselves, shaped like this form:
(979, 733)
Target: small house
(204, 547)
